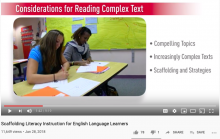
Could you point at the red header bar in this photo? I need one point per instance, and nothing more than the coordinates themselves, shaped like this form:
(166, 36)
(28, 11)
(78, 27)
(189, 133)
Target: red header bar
(99, 8)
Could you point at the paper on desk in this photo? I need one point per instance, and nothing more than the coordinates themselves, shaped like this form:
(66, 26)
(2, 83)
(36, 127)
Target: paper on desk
(86, 69)
(98, 63)
(51, 84)
(60, 95)
(78, 87)
(20, 60)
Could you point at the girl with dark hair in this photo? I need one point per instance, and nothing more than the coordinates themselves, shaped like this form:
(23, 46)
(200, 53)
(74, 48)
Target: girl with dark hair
(46, 62)
(77, 51)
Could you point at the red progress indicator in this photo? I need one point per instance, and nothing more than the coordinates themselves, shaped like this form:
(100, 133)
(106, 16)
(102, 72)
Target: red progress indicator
(23, 105)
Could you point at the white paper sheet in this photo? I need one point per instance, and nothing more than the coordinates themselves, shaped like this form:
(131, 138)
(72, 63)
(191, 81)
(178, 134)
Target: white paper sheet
(78, 87)
(51, 84)
(86, 69)
(60, 95)
(98, 63)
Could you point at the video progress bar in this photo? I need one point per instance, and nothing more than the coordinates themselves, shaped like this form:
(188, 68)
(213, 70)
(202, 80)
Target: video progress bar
(132, 106)
(145, 138)
(23, 105)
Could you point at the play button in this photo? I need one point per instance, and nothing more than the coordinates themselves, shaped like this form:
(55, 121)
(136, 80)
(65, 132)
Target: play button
(9, 111)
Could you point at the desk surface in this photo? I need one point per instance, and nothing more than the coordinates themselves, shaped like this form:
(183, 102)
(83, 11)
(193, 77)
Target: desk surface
(24, 88)
(19, 61)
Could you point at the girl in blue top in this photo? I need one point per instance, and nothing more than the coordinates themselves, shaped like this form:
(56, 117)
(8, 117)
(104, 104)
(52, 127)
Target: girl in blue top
(46, 59)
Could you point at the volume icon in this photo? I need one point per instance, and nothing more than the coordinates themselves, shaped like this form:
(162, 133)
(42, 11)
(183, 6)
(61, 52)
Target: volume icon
(29, 110)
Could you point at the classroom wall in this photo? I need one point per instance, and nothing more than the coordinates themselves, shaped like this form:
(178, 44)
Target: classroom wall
(18, 24)
(138, 67)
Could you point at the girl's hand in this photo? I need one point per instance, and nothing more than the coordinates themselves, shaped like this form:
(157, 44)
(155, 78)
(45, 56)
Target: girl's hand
(61, 75)
(61, 70)
(90, 60)
(83, 63)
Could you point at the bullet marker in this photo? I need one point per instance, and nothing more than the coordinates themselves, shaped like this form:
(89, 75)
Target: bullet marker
(150, 69)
